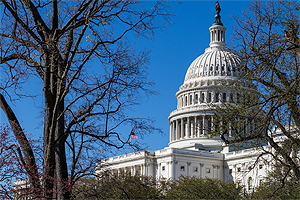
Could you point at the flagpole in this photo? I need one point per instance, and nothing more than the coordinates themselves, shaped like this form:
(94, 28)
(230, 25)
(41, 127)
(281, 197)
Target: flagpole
(130, 145)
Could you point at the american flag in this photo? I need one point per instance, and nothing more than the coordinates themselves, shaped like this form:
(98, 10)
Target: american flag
(133, 135)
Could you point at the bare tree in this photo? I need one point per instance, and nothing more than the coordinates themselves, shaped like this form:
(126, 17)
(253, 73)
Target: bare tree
(88, 73)
(267, 38)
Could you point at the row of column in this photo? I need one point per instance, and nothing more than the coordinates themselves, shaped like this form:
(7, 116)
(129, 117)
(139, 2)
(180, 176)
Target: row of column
(141, 169)
(198, 126)
(190, 127)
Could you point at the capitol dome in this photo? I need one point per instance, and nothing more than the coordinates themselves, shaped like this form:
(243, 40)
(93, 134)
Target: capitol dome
(216, 61)
(209, 81)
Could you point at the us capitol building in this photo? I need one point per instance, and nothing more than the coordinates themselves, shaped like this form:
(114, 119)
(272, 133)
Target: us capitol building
(209, 81)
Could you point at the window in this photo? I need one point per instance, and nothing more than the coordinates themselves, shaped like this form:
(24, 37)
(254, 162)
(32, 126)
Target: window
(231, 97)
(260, 182)
(163, 168)
(224, 97)
(195, 169)
(196, 98)
(207, 170)
(230, 171)
(202, 98)
(217, 97)
(260, 166)
(191, 99)
(182, 168)
(239, 169)
(209, 98)
(222, 68)
(186, 101)
(250, 183)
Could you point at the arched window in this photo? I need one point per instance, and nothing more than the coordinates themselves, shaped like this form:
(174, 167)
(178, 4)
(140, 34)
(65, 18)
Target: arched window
(231, 97)
(224, 97)
(250, 187)
(209, 98)
(217, 97)
(196, 98)
(186, 100)
(191, 99)
(202, 97)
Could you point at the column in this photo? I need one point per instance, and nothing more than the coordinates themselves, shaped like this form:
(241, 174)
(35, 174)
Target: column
(201, 169)
(188, 128)
(212, 123)
(174, 164)
(177, 127)
(188, 170)
(142, 169)
(159, 174)
(131, 171)
(192, 128)
(170, 169)
(171, 132)
(181, 126)
(146, 169)
(204, 125)
(196, 127)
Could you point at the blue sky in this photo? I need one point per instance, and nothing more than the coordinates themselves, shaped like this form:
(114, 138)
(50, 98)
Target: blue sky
(172, 51)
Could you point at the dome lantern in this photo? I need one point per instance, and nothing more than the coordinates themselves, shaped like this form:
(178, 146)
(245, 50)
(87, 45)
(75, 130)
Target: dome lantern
(217, 30)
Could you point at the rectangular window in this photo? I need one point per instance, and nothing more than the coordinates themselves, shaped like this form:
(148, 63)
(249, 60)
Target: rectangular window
(230, 171)
(260, 166)
(163, 168)
(207, 170)
(195, 169)
(182, 168)
(239, 169)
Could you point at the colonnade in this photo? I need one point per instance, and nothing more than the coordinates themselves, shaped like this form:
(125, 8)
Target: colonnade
(141, 169)
(190, 127)
(201, 125)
